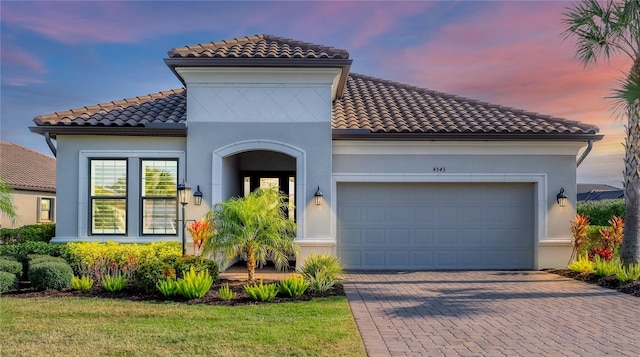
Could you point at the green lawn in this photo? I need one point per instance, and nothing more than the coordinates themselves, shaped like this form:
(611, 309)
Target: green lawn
(102, 327)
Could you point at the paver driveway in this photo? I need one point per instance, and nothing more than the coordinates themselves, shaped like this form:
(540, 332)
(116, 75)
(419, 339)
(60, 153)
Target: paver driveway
(491, 313)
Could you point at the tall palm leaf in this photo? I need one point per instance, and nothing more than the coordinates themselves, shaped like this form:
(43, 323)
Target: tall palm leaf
(254, 226)
(6, 201)
(603, 30)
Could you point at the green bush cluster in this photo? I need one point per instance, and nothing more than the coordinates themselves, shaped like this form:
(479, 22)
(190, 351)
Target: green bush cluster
(225, 293)
(294, 286)
(83, 254)
(113, 283)
(602, 267)
(149, 273)
(600, 212)
(84, 283)
(8, 282)
(194, 284)
(28, 233)
(50, 275)
(20, 251)
(11, 266)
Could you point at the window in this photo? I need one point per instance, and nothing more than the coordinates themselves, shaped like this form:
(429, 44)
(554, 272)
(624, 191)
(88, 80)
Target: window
(45, 209)
(158, 194)
(108, 196)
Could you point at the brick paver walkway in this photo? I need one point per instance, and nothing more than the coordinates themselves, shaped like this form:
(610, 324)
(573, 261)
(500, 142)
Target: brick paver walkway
(491, 313)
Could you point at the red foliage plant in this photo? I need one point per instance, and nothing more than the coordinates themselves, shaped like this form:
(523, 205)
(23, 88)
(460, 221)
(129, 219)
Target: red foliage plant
(200, 230)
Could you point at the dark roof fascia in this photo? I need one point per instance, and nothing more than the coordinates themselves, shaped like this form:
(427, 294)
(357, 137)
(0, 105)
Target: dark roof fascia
(174, 130)
(343, 64)
(32, 188)
(365, 134)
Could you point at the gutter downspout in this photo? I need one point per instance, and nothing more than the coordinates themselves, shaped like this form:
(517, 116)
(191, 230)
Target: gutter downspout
(47, 138)
(585, 153)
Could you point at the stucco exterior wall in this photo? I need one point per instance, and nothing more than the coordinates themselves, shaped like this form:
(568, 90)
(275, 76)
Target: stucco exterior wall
(26, 204)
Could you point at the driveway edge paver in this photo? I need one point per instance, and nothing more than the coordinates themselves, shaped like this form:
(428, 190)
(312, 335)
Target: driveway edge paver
(373, 342)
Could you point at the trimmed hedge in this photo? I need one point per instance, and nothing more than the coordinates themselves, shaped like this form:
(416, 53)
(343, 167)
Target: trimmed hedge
(50, 276)
(34, 259)
(8, 282)
(600, 212)
(20, 251)
(28, 233)
(11, 266)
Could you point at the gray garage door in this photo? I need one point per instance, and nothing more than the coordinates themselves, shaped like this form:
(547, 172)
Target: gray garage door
(435, 226)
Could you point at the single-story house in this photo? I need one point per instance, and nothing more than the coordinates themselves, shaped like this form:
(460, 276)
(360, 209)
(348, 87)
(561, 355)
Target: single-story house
(410, 178)
(32, 177)
(598, 192)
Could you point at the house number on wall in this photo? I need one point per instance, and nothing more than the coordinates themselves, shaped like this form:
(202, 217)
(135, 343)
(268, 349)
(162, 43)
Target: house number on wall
(439, 169)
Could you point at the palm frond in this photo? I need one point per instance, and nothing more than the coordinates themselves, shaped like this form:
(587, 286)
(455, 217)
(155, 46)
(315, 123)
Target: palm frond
(6, 201)
(626, 94)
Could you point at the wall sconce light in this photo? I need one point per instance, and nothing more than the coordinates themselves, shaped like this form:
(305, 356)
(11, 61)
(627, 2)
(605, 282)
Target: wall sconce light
(184, 196)
(197, 197)
(318, 196)
(561, 198)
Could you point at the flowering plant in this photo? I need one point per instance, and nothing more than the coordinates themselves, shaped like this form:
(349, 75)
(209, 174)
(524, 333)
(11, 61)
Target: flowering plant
(200, 230)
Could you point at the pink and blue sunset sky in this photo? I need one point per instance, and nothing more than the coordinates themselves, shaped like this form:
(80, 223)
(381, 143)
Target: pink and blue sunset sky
(60, 55)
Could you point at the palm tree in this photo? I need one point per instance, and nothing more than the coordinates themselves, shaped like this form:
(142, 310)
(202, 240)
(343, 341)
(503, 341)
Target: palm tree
(604, 30)
(254, 226)
(6, 201)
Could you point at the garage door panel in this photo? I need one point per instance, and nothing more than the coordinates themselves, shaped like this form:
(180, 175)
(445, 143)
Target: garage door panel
(399, 236)
(350, 214)
(435, 225)
(372, 237)
(447, 215)
(424, 215)
(422, 237)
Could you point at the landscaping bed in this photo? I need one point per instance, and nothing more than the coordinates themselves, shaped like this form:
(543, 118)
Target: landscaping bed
(211, 298)
(611, 282)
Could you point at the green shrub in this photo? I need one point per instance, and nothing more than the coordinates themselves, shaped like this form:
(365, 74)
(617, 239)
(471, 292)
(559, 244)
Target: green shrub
(321, 271)
(83, 283)
(600, 212)
(29, 233)
(603, 267)
(294, 286)
(113, 283)
(194, 284)
(50, 276)
(20, 251)
(8, 282)
(581, 265)
(83, 254)
(261, 292)
(199, 263)
(33, 259)
(225, 293)
(632, 272)
(11, 266)
(149, 273)
(167, 287)
(8, 257)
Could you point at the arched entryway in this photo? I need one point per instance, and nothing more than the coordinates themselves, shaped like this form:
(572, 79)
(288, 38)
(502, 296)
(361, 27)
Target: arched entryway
(241, 167)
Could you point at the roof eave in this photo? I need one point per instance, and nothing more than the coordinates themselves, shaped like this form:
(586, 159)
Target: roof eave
(173, 130)
(365, 134)
(343, 64)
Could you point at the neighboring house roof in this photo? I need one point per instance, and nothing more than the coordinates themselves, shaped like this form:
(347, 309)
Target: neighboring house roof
(24, 169)
(258, 46)
(598, 192)
(367, 107)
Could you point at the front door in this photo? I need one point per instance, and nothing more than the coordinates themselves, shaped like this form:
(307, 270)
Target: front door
(284, 181)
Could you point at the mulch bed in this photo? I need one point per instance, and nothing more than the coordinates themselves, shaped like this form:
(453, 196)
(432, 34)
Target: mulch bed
(611, 282)
(211, 298)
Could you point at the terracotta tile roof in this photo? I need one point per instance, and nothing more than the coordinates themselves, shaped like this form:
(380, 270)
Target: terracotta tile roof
(377, 105)
(162, 107)
(24, 169)
(389, 107)
(258, 46)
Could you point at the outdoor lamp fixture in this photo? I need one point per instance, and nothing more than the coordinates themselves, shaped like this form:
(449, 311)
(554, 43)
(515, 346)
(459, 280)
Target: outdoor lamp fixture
(197, 197)
(318, 197)
(184, 196)
(561, 198)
